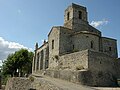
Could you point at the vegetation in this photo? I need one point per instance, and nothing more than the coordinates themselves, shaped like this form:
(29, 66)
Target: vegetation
(31, 78)
(75, 50)
(79, 67)
(18, 64)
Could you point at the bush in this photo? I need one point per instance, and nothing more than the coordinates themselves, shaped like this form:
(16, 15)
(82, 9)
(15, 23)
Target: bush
(5, 79)
(56, 57)
(31, 78)
(79, 67)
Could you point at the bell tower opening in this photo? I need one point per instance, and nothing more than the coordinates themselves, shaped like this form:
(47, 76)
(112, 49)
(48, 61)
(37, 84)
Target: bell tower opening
(68, 15)
(92, 44)
(80, 15)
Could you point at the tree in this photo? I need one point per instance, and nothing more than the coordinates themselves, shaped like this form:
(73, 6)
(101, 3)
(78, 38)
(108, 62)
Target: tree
(20, 61)
(9, 65)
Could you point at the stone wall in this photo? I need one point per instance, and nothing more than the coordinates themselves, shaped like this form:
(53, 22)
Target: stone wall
(65, 41)
(18, 84)
(42, 84)
(87, 67)
(110, 46)
(76, 60)
(25, 84)
(82, 41)
(103, 68)
(83, 77)
(118, 68)
(101, 62)
(53, 40)
(80, 77)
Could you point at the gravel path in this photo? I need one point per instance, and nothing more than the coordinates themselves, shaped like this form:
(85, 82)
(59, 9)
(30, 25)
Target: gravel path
(65, 85)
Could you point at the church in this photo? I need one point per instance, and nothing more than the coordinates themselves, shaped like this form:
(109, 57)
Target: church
(77, 52)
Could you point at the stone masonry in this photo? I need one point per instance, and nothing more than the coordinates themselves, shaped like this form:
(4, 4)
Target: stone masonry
(77, 46)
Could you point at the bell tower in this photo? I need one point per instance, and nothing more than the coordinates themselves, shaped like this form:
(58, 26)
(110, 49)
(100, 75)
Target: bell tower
(75, 17)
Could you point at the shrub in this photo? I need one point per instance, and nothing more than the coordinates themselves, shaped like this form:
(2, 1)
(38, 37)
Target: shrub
(31, 78)
(56, 57)
(79, 67)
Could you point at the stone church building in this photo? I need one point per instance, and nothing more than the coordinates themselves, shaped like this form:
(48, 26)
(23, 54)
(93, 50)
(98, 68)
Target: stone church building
(77, 52)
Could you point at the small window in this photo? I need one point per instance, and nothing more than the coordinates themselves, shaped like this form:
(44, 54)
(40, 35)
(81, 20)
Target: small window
(73, 47)
(38, 61)
(52, 44)
(92, 44)
(80, 15)
(68, 15)
(110, 49)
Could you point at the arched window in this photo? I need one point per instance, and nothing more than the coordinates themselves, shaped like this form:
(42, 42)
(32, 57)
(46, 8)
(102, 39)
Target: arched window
(52, 44)
(110, 49)
(41, 59)
(92, 44)
(73, 47)
(37, 61)
(68, 15)
(80, 15)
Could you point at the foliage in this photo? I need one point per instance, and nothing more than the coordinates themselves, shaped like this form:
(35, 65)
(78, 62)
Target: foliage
(19, 62)
(56, 57)
(5, 79)
(31, 78)
(75, 50)
(79, 67)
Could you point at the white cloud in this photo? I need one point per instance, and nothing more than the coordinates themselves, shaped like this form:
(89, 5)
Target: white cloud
(0, 62)
(7, 48)
(42, 41)
(99, 23)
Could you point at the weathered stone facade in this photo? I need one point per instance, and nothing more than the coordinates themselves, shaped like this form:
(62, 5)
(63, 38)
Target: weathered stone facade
(77, 45)
(17, 83)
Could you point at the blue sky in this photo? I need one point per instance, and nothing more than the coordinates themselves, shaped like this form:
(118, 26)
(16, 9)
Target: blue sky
(25, 22)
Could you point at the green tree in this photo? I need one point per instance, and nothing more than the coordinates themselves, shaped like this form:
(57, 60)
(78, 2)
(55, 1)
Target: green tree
(21, 60)
(9, 65)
